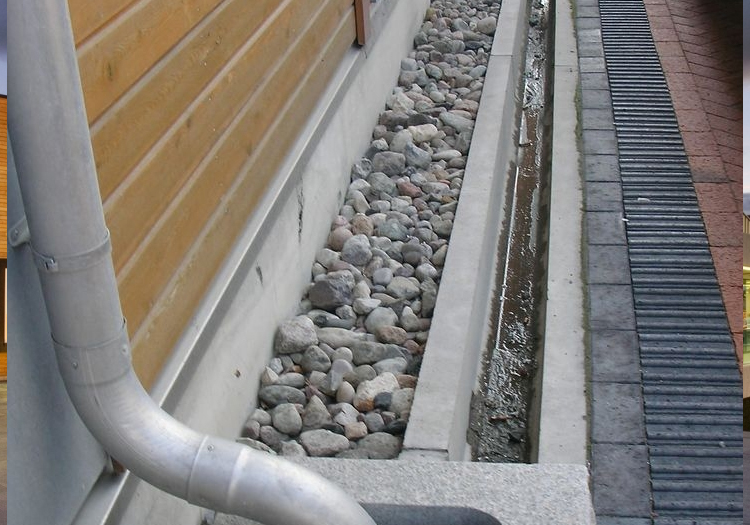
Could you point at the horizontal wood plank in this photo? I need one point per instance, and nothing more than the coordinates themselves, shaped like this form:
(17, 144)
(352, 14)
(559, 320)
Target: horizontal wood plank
(124, 135)
(169, 240)
(156, 336)
(89, 16)
(137, 205)
(113, 60)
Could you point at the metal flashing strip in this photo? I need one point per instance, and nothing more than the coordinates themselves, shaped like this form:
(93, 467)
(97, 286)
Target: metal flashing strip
(691, 384)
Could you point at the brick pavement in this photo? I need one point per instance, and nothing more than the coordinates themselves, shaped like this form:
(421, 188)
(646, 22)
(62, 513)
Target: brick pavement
(700, 46)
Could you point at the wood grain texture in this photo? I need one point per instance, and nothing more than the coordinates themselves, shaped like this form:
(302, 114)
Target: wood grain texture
(88, 16)
(142, 199)
(126, 132)
(171, 272)
(113, 60)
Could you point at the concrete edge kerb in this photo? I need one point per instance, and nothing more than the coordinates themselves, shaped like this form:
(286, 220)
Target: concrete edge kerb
(397, 492)
(563, 425)
(440, 413)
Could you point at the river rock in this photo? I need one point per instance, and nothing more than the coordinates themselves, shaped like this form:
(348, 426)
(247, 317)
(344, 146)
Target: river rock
(394, 365)
(295, 335)
(401, 401)
(380, 183)
(292, 379)
(416, 156)
(315, 414)
(368, 352)
(274, 395)
(338, 337)
(459, 123)
(292, 449)
(380, 316)
(355, 431)
(380, 445)
(388, 162)
(332, 292)
(487, 25)
(391, 334)
(323, 443)
(359, 374)
(366, 391)
(403, 288)
(357, 250)
(344, 413)
(315, 358)
(286, 419)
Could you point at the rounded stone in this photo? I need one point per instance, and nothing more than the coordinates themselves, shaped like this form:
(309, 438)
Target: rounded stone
(295, 335)
(381, 445)
(345, 393)
(366, 391)
(355, 431)
(316, 359)
(356, 250)
(380, 316)
(389, 162)
(401, 401)
(286, 419)
(338, 237)
(315, 414)
(274, 395)
(391, 334)
(394, 365)
(403, 288)
(322, 443)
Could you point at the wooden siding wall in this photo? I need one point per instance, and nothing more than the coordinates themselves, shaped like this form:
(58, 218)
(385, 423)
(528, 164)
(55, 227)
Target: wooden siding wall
(192, 106)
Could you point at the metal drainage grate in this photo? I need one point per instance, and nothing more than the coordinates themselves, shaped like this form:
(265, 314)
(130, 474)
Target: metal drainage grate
(691, 384)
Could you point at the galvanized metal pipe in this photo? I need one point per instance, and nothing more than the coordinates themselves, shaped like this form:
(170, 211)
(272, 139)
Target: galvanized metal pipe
(57, 174)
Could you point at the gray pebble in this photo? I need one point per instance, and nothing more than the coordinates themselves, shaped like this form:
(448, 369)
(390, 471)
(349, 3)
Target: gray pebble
(295, 335)
(389, 162)
(321, 443)
(315, 414)
(380, 445)
(286, 419)
(315, 359)
(394, 365)
(356, 250)
(277, 394)
(292, 449)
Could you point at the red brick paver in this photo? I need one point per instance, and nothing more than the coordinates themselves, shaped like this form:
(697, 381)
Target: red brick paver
(700, 46)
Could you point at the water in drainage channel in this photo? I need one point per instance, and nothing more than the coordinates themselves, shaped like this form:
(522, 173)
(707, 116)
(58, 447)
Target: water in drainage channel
(502, 409)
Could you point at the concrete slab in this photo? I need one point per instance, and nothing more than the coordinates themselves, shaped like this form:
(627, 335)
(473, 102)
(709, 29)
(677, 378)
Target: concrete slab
(617, 414)
(605, 227)
(563, 413)
(611, 307)
(615, 356)
(453, 493)
(608, 264)
(621, 483)
(601, 168)
(604, 196)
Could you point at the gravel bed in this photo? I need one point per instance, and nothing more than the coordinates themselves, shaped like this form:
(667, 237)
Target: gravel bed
(343, 376)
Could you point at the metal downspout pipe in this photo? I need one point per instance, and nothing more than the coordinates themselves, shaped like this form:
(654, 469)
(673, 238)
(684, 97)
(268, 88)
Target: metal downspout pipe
(70, 243)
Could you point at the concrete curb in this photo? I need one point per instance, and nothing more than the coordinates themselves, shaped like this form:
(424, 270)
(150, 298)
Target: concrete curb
(440, 413)
(563, 428)
(456, 493)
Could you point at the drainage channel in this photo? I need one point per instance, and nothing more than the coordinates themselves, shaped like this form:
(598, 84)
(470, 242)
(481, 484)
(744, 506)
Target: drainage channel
(691, 384)
(501, 410)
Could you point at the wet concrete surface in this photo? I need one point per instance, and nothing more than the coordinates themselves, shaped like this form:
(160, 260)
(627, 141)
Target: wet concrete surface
(502, 412)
